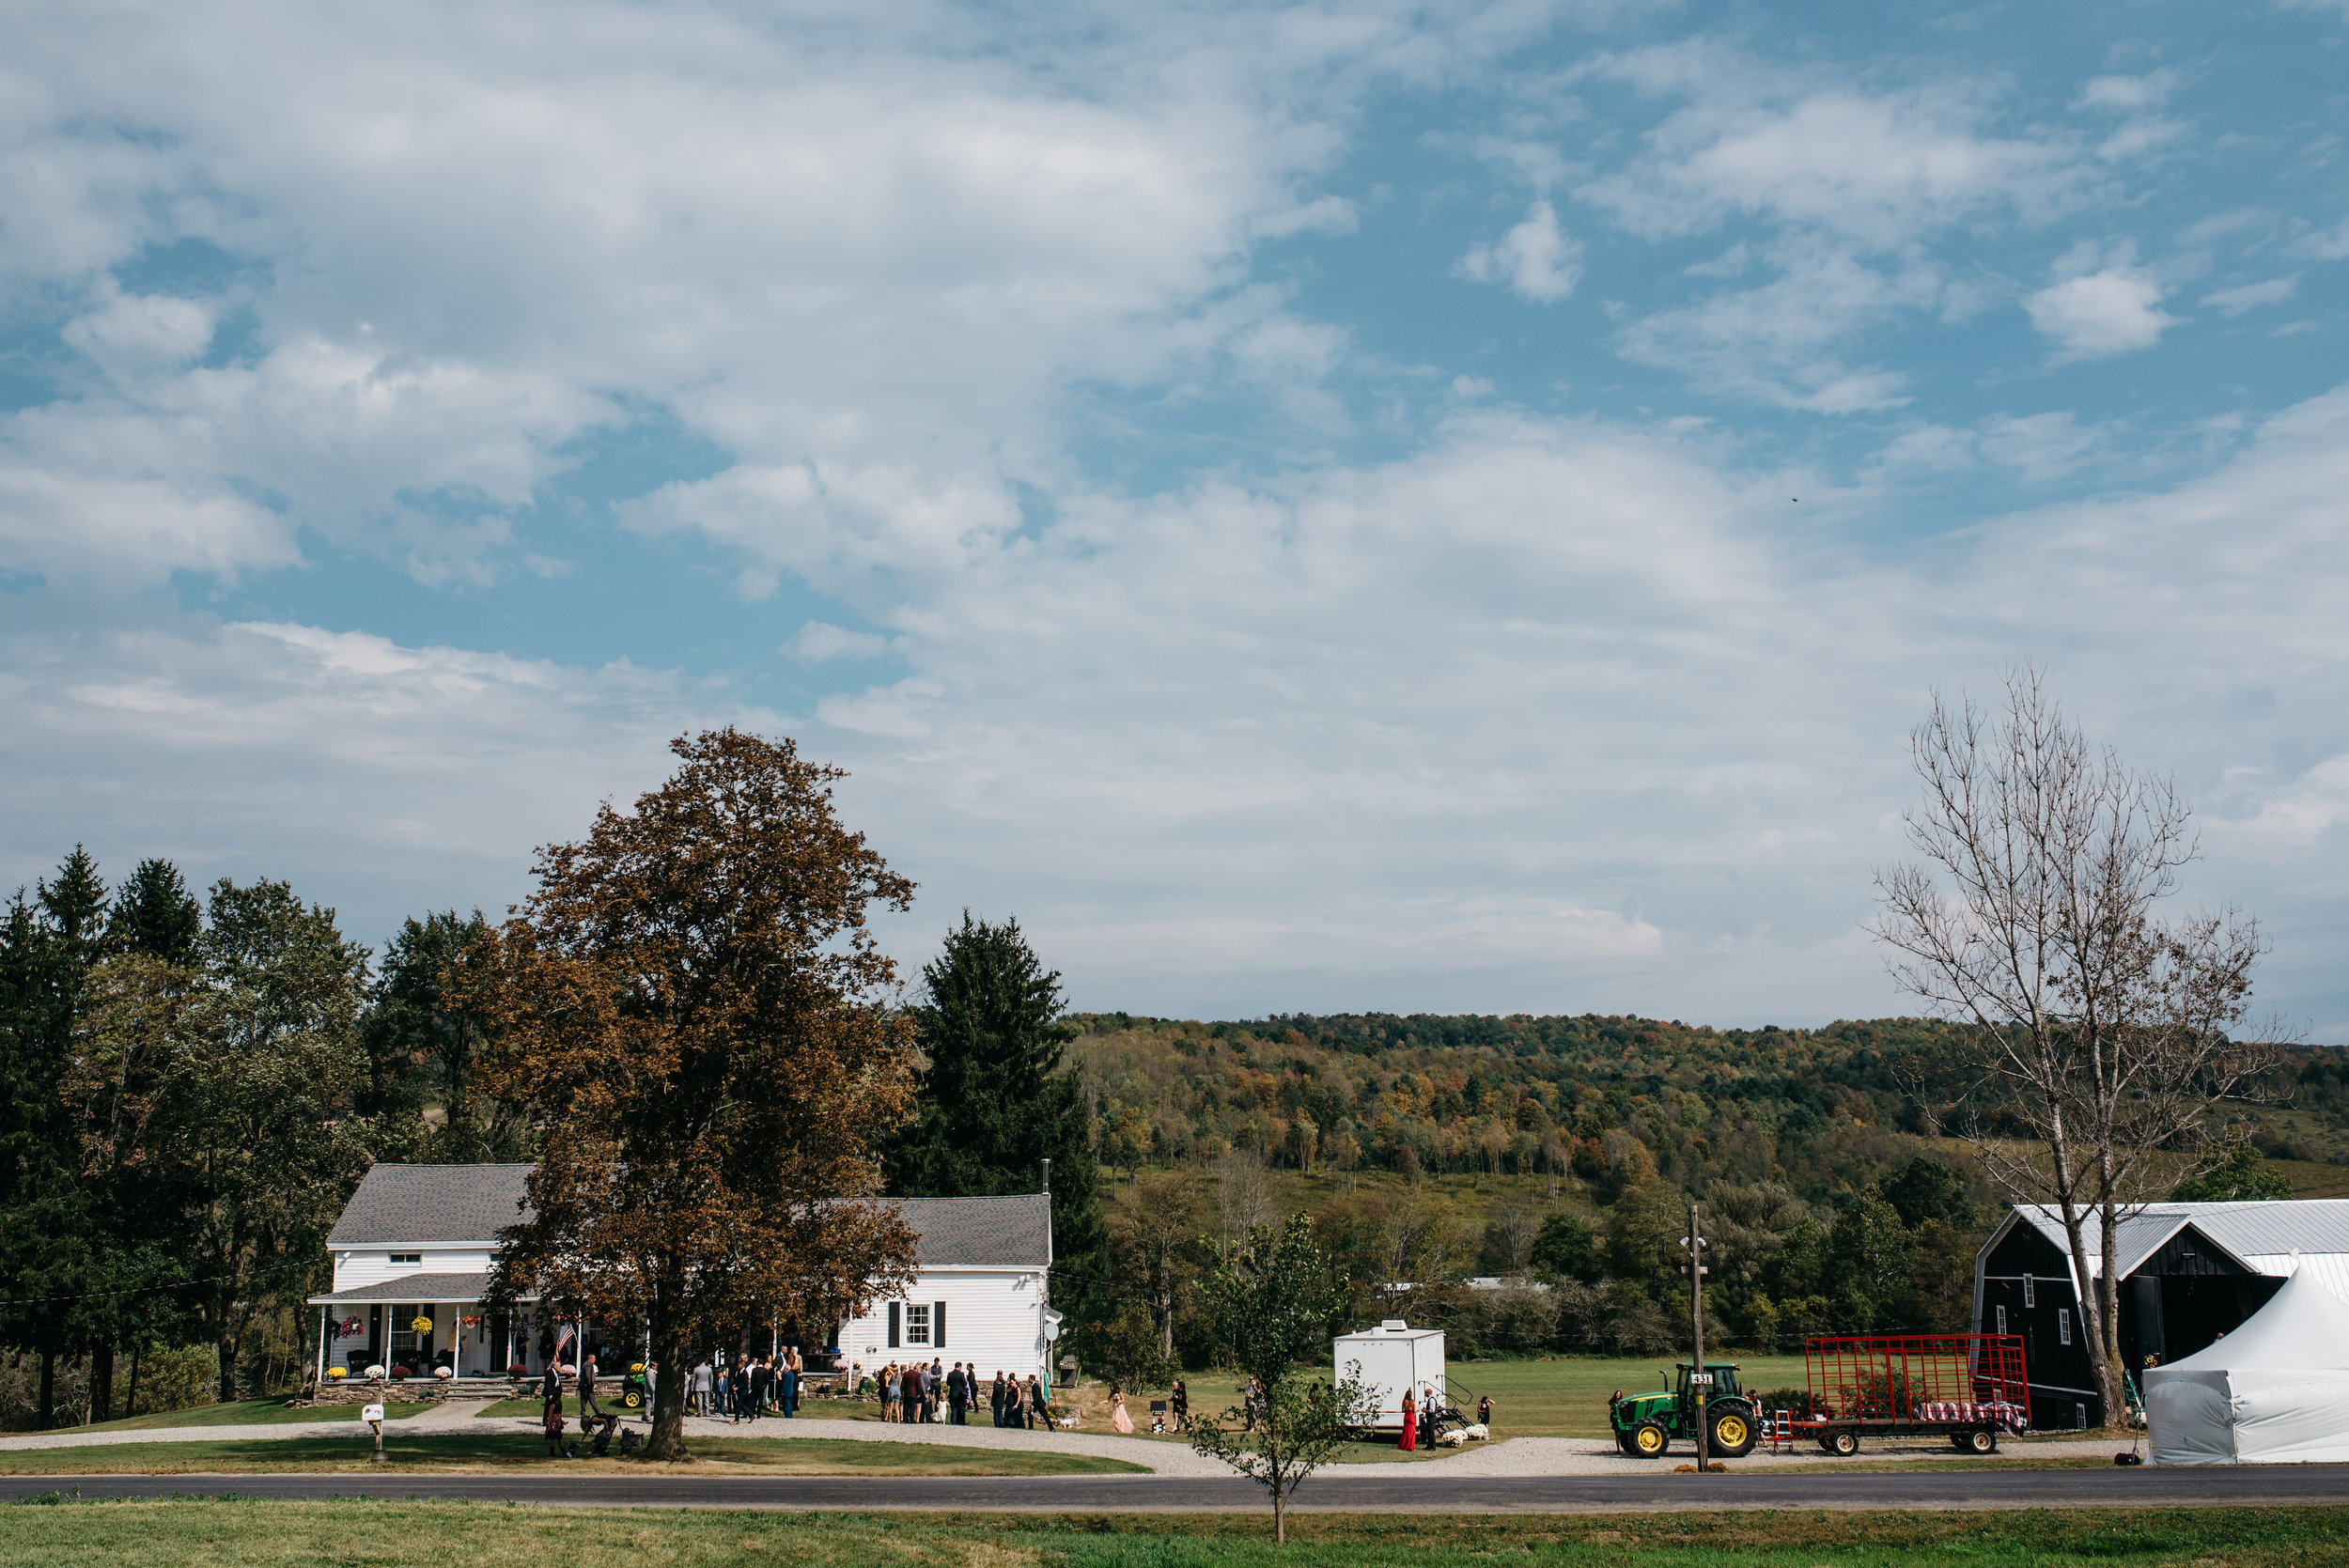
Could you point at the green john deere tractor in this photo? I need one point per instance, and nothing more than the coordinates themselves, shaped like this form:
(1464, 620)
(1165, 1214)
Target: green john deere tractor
(1645, 1424)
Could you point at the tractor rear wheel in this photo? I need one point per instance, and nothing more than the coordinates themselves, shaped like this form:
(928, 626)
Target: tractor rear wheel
(1649, 1440)
(1843, 1444)
(1623, 1445)
(1982, 1440)
(1732, 1437)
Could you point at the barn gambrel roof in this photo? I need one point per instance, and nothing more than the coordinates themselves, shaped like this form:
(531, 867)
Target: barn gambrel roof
(2264, 1237)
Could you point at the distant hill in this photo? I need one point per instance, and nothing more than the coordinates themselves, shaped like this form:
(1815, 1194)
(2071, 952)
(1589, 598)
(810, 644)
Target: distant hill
(1609, 1099)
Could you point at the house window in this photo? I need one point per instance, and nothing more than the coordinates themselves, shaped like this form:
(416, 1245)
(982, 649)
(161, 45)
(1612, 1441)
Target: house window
(406, 1342)
(2031, 1294)
(918, 1323)
(407, 1257)
(2063, 1325)
(2003, 1320)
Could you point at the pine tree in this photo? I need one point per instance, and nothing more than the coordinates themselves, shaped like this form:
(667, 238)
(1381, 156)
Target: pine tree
(154, 913)
(49, 948)
(995, 1101)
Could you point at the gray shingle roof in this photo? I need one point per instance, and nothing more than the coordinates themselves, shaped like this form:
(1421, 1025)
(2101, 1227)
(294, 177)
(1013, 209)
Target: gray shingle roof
(406, 1205)
(1010, 1232)
(414, 1288)
(399, 1204)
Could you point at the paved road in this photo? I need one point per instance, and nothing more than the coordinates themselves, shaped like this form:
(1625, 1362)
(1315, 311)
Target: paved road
(1941, 1489)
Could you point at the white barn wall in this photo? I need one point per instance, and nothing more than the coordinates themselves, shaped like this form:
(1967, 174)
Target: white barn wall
(994, 1317)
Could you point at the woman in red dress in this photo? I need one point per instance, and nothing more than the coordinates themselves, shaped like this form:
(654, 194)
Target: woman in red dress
(1410, 1423)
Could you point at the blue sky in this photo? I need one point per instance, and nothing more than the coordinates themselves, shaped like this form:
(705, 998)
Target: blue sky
(1405, 506)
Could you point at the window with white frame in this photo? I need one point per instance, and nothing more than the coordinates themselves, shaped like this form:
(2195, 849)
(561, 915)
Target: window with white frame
(407, 1257)
(2063, 1325)
(2002, 1319)
(917, 1323)
(2030, 1292)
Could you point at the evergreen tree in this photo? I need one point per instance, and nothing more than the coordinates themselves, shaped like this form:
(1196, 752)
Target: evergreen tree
(48, 950)
(423, 1047)
(154, 913)
(995, 1101)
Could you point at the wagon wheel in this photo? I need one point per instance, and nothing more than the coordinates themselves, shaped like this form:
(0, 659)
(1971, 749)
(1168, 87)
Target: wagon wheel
(1982, 1440)
(1843, 1444)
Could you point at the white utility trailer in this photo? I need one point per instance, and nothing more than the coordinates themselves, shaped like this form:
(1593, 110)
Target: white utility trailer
(1394, 1358)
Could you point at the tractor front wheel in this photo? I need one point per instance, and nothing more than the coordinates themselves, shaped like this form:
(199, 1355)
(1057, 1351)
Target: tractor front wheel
(1649, 1440)
(632, 1399)
(1732, 1437)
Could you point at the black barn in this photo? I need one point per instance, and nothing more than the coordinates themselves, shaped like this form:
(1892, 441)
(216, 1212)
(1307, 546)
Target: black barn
(2189, 1272)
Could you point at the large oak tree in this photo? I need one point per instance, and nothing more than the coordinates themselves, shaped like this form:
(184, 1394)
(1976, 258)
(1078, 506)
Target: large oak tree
(694, 1001)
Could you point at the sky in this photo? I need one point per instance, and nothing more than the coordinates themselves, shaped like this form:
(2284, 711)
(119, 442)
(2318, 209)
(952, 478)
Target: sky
(1317, 507)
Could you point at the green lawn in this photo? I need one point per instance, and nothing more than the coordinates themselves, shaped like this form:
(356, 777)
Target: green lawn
(194, 1533)
(1561, 1398)
(248, 1412)
(497, 1451)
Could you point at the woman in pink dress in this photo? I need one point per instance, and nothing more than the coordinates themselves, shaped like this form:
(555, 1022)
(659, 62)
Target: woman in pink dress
(1410, 1423)
(1118, 1418)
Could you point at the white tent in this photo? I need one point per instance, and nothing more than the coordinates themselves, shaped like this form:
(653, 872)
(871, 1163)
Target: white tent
(2276, 1392)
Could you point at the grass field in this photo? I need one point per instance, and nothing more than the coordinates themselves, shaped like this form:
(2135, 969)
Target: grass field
(237, 1534)
(1561, 1398)
(504, 1450)
(248, 1412)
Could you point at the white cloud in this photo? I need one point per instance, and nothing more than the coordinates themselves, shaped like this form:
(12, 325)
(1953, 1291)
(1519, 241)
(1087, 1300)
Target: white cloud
(1555, 714)
(2251, 296)
(821, 642)
(1875, 169)
(1784, 341)
(1533, 259)
(2094, 315)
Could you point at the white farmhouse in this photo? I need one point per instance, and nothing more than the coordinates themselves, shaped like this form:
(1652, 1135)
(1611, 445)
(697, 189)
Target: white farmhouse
(413, 1248)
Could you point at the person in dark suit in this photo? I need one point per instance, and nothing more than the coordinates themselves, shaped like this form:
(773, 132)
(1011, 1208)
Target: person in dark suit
(762, 1378)
(957, 1396)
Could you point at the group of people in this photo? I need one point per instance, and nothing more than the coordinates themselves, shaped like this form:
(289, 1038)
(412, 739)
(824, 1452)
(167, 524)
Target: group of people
(1432, 1404)
(743, 1390)
(594, 1420)
(912, 1392)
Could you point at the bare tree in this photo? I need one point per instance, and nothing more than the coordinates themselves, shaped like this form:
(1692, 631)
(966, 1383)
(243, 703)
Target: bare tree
(1242, 1202)
(2102, 1030)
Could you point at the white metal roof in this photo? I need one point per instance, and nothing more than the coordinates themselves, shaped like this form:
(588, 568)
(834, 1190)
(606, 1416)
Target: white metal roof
(2262, 1236)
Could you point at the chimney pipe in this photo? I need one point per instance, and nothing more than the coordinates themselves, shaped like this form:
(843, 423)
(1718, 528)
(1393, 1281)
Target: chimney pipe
(1048, 1178)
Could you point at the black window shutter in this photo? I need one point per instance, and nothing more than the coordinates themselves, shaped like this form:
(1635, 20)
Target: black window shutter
(893, 1326)
(937, 1325)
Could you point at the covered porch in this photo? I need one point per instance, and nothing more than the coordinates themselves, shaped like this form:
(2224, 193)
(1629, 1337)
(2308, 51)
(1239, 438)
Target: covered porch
(416, 1324)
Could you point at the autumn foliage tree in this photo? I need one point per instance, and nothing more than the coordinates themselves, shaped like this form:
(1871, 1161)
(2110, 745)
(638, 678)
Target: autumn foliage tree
(694, 1001)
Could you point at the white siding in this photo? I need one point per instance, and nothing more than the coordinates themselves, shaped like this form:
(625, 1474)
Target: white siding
(369, 1265)
(994, 1317)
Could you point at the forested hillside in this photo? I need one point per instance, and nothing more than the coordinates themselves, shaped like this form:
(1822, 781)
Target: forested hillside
(1566, 1150)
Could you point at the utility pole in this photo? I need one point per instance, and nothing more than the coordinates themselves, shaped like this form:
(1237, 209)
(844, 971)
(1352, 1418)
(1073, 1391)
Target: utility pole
(1700, 1386)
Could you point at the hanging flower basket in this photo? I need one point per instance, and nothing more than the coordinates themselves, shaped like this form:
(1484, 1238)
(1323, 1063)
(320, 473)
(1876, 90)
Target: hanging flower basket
(420, 1324)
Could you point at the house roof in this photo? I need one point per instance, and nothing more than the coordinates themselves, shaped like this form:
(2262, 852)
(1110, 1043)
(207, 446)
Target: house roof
(397, 1204)
(1013, 1232)
(412, 1205)
(421, 1288)
(2264, 1237)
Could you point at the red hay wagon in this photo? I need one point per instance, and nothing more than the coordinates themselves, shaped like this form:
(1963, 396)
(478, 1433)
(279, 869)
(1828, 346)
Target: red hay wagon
(1969, 1387)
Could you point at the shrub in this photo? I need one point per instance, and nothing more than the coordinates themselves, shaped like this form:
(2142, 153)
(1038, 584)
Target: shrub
(1799, 1401)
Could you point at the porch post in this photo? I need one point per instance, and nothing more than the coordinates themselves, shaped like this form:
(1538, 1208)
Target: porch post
(323, 1311)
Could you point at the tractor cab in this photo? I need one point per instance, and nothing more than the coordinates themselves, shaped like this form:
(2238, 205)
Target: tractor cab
(1720, 1375)
(1711, 1400)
